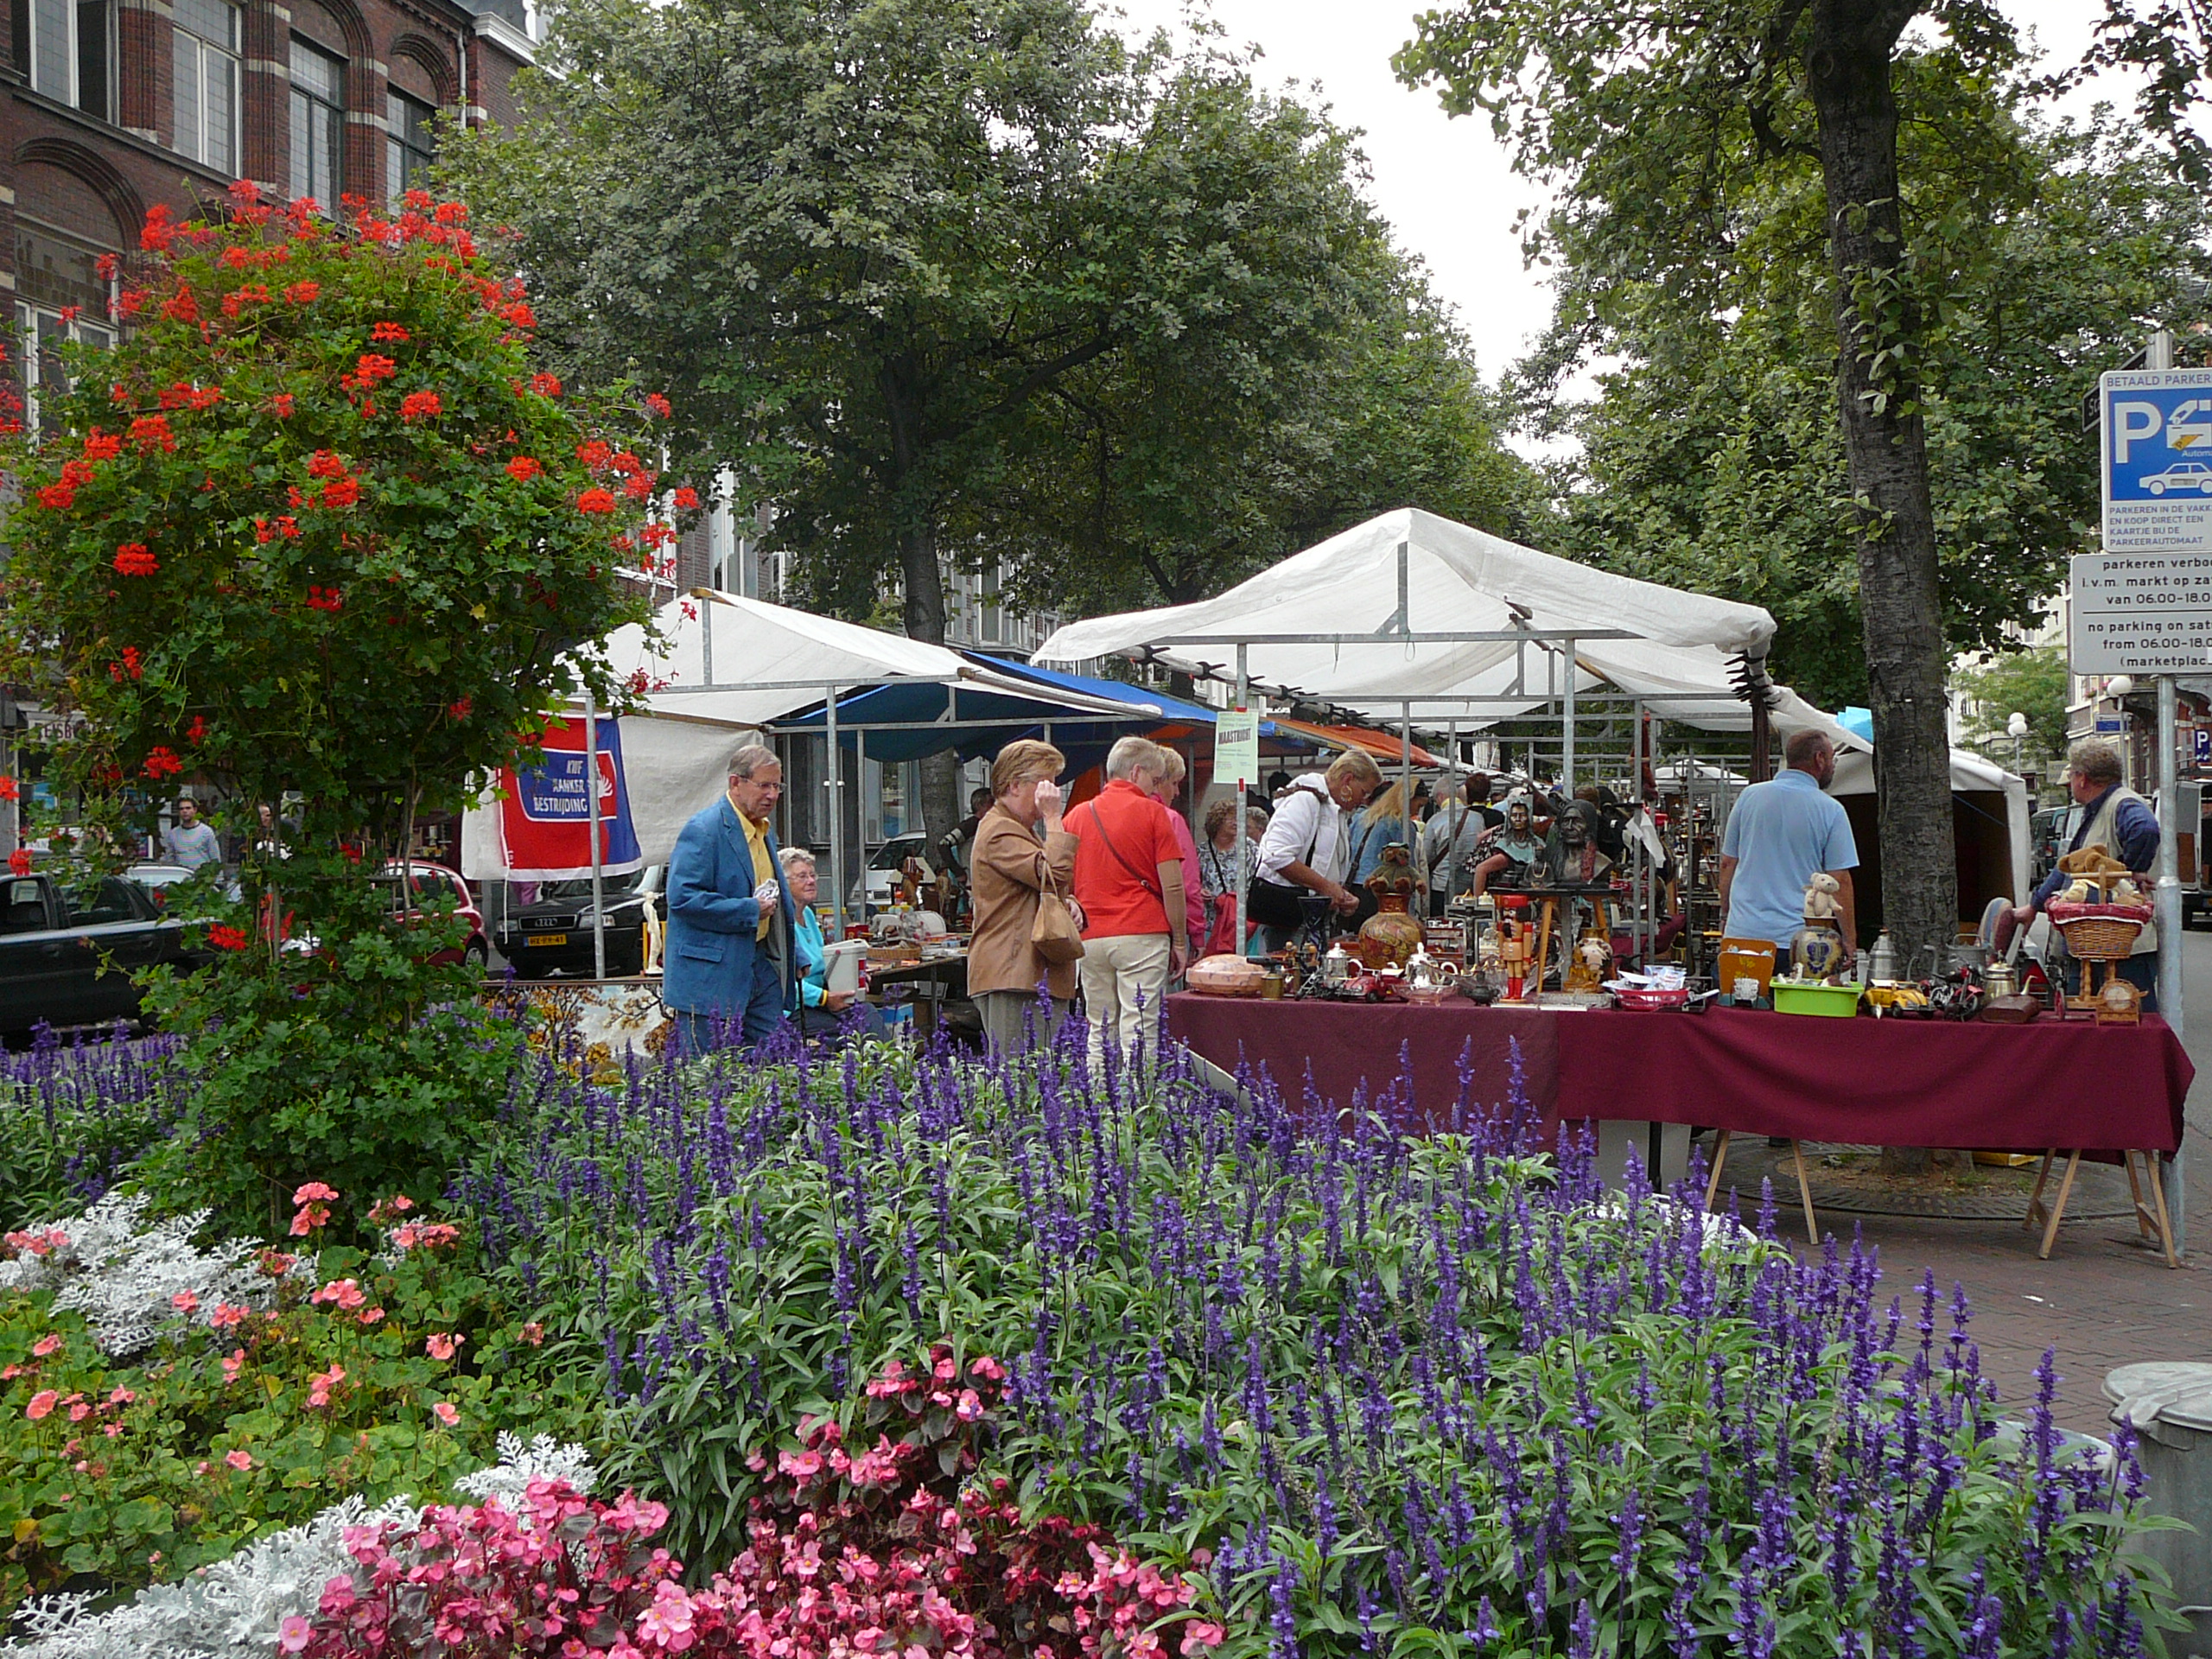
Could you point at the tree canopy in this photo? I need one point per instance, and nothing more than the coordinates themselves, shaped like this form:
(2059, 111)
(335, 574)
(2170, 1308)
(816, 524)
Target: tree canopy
(951, 280)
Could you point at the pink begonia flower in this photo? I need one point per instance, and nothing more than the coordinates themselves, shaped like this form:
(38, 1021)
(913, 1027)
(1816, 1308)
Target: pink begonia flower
(185, 1301)
(294, 1634)
(121, 1397)
(987, 1367)
(42, 1403)
(239, 1459)
(231, 1364)
(47, 1343)
(79, 1412)
(308, 1219)
(112, 1430)
(370, 1315)
(442, 1345)
(227, 1314)
(448, 1414)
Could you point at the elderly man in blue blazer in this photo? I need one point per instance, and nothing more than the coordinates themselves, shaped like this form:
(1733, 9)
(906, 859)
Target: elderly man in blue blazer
(730, 953)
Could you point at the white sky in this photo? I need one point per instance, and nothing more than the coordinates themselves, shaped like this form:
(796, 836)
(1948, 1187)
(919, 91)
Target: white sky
(1444, 184)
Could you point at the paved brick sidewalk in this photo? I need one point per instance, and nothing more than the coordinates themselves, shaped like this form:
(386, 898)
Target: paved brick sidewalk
(2099, 1302)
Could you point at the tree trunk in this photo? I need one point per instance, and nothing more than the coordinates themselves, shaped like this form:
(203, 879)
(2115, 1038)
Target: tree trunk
(924, 617)
(1878, 338)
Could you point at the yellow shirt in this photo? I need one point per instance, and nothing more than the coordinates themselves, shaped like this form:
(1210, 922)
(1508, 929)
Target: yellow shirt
(763, 866)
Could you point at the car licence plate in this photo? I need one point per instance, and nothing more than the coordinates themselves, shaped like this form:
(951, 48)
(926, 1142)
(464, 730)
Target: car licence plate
(535, 940)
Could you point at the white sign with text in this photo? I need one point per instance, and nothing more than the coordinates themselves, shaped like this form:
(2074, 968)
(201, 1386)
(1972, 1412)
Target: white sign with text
(2140, 614)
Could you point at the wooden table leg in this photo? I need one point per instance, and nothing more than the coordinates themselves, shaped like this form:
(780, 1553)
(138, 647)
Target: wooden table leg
(2034, 1218)
(2146, 1225)
(1805, 1194)
(2058, 1211)
(1720, 1156)
(2159, 1199)
(1550, 912)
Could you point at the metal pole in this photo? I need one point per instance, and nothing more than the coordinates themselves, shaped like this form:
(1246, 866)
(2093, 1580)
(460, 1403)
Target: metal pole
(598, 853)
(836, 817)
(1243, 863)
(1406, 770)
(1566, 729)
(707, 641)
(2159, 354)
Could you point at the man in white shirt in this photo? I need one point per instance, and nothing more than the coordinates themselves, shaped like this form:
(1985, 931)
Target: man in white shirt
(1307, 848)
(191, 840)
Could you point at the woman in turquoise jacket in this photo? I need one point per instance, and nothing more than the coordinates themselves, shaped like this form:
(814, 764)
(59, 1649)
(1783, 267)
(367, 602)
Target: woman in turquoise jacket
(821, 1010)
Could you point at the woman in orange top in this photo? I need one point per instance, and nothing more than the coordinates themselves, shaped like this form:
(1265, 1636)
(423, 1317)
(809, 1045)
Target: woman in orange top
(1009, 864)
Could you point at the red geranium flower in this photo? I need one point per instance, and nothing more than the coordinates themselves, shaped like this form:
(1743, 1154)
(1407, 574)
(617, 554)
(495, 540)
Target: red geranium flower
(391, 331)
(180, 307)
(522, 468)
(198, 732)
(687, 498)
(341, 492)
(151, 432)
(303, 293)
(163, 763)
(545, 385)
(132, 559)
(9, 789)
(420, 405)
(102, 446)
(459, 710)
(226, 937)
(60, 497)
(594, 453)
(657, 405)
(281, 402)
(324, 599)
(20, 861)
(594, 500)
(326, 463)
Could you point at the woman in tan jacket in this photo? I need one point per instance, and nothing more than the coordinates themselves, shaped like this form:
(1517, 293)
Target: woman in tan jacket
(1008, 869)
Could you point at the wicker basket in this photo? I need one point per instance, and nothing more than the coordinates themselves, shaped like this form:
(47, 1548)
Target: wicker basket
(2099, 932)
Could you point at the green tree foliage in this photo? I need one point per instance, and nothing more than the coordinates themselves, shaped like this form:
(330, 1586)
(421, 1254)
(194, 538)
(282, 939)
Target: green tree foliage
(1712, 459)
(316, 528)
(951, 280)
(2033, 683)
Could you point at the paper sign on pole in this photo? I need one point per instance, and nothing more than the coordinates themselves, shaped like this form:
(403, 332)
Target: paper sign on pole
(1237, 746)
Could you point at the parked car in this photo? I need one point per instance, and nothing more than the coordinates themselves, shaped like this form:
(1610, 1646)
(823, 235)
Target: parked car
(431, 884)
(68, 950)
(158, 877)
(552, 933)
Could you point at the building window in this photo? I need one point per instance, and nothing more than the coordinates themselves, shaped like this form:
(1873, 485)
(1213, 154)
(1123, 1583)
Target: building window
(408, 149)
(318, 123)
(993, 628)
(207, 43)
(59, 296)
(72, 53)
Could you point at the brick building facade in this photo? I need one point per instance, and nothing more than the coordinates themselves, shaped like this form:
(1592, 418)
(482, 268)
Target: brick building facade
(112, 105)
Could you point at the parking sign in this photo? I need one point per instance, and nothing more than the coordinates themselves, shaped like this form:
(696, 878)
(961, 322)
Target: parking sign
(2156, 438)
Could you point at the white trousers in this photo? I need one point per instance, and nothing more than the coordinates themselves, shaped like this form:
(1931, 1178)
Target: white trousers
(1123, 979)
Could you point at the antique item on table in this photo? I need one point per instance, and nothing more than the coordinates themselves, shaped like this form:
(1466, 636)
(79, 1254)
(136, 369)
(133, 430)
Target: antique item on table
(1427, 980)
(2098, 932)
(2119, 1003)
(1741, 959)
(1957, 995)
(1665, 987)
(1336, 967)
(1592, 960)
(2013, 1009)
(1227, 975)
(1516, 948)
(1999, 980)
(1479, 988)
(1820, 892)
(1272, 984)
(1393, 933)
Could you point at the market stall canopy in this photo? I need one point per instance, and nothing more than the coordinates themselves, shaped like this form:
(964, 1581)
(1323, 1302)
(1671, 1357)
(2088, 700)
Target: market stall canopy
(975, 715)
(1411, 573)
(733, 661)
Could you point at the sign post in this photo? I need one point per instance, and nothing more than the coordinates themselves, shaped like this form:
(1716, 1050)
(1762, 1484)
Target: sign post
(2144, 604)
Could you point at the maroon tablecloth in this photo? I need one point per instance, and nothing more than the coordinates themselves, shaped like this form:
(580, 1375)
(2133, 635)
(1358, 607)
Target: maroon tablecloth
(1890, 1083)
(1899, 1082)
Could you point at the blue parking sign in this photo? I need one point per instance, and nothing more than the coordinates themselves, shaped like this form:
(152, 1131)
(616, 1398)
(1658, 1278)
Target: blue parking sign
(2203, 736)
(2157, 434)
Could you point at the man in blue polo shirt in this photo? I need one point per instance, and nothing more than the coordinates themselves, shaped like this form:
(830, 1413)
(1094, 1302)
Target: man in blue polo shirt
(1782, 834)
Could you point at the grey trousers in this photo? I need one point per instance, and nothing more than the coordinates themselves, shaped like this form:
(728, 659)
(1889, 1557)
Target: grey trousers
(1014, 1021)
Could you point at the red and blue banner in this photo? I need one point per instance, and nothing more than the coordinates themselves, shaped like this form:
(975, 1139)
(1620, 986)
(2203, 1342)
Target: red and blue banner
(545, 812)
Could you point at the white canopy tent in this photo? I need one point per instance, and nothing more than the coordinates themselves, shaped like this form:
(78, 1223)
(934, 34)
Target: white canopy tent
(716, 668)
(1414, 614)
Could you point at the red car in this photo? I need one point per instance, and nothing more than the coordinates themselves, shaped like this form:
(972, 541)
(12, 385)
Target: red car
(432, 883)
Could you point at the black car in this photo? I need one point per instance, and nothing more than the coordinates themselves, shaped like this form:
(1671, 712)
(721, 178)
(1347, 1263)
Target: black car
(68, 950)
(553, 932)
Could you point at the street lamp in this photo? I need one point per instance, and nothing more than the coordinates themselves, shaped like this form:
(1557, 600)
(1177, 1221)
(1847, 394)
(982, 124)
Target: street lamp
(2016, 728)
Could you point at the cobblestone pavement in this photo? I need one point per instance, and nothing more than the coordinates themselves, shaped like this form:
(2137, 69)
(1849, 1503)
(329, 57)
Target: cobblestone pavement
(2100, 1301)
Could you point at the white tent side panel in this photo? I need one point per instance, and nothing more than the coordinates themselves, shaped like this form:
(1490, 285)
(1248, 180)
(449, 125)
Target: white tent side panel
(673, 768)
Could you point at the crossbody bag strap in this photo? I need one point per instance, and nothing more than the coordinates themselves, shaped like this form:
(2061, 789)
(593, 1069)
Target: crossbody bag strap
(1150, 887)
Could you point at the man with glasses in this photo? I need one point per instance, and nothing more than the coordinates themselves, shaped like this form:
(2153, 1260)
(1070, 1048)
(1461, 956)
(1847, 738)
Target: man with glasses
(728, 957)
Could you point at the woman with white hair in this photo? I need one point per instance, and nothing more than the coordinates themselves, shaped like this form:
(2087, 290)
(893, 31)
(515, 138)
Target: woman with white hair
(822, 1011)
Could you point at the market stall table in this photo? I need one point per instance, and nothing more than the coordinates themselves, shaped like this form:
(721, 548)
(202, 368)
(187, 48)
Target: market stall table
(935, 980)
(2070, 1085)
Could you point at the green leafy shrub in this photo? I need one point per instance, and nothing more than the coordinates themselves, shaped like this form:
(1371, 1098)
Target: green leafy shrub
(371, 1375)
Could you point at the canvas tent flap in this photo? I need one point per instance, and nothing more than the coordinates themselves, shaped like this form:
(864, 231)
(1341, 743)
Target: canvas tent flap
(1456, 579)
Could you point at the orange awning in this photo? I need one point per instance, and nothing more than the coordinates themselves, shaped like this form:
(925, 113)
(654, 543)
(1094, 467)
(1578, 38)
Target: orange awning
(1383, 746)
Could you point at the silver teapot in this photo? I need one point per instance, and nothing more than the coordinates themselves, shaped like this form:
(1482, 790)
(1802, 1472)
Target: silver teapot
(1337, 967)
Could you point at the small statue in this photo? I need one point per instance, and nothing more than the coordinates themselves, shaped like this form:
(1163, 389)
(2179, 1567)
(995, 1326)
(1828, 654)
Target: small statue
(1593, 962)
(1821, 896)
(1393, 933)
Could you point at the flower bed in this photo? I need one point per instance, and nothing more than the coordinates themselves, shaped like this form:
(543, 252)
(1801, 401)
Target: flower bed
(1399, 1395)
(72, 1116)
(1332, 1392)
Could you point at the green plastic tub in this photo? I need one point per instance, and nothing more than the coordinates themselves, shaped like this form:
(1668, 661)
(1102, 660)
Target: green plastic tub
(1832, 1001)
